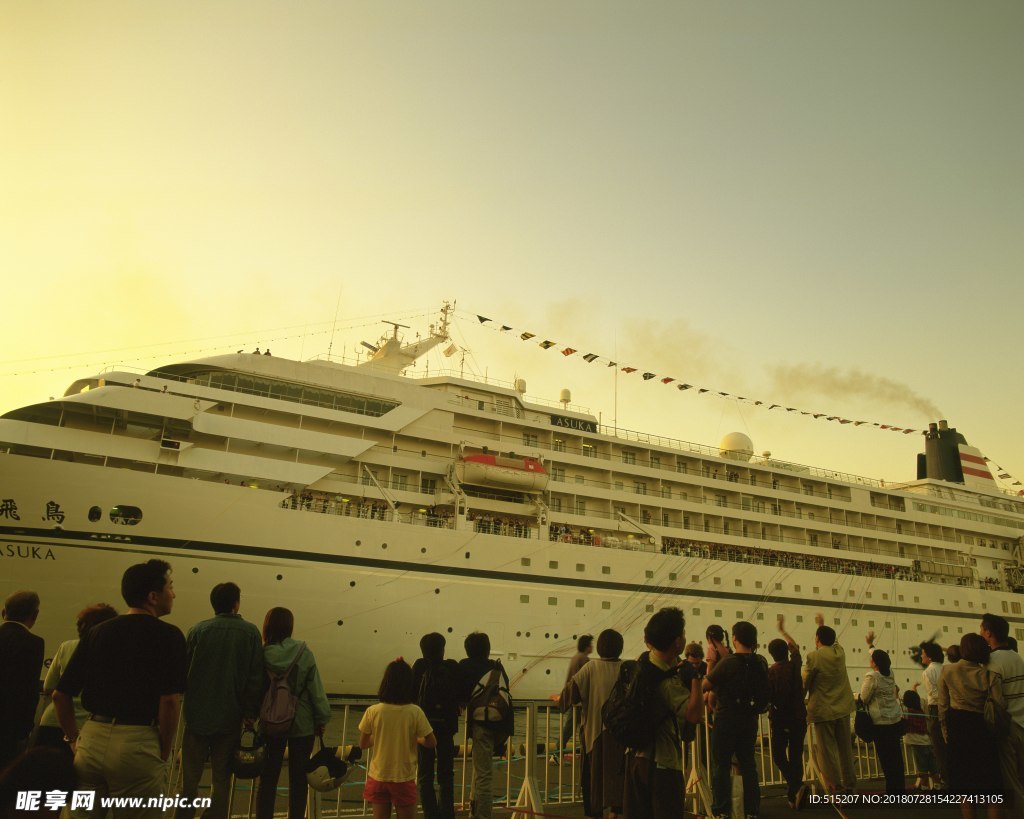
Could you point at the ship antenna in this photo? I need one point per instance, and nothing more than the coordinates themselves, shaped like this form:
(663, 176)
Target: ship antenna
(396, 325)
(334, 326)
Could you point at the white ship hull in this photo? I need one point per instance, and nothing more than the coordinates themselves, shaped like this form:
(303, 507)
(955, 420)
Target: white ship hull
(364, 591)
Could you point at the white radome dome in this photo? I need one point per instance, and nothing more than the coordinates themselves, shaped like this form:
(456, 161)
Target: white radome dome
(736, 446)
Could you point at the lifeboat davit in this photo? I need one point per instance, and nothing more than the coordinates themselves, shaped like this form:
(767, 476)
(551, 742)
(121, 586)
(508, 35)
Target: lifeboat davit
(521, 473)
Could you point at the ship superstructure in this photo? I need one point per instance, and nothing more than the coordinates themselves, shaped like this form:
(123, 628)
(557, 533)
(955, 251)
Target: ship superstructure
(379, 506)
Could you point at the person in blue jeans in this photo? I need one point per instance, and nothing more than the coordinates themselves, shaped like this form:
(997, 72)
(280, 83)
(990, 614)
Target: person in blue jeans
(740, 681)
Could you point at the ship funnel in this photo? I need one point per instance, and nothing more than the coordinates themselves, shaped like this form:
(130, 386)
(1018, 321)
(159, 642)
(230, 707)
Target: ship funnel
(941, 459)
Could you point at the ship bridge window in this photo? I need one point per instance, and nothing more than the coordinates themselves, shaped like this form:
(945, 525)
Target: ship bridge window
(126, 515)
(293, 392)
(629, 457)
(655, 462)
(559, 445)
(1015, 608)
(589, 451)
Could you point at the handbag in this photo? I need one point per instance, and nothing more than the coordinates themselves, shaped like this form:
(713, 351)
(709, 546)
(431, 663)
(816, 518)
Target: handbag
(863, 725)
(997, 718)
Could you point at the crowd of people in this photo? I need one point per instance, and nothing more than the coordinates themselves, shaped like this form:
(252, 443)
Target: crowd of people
(966, 736)
(787, 560)
(119, 689)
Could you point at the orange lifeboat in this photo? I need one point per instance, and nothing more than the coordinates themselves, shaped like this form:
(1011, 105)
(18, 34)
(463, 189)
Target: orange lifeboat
(515, 472)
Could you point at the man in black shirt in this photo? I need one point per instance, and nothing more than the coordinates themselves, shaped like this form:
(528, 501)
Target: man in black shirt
(740, 682)
(130, 672)
(21, 660)
(437, 683)
(787, 712)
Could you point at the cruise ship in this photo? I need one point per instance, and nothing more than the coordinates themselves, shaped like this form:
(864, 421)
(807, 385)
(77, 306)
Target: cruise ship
(378, 506)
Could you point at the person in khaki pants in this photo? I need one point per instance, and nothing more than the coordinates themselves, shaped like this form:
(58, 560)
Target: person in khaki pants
(829, 706)
(130, 672)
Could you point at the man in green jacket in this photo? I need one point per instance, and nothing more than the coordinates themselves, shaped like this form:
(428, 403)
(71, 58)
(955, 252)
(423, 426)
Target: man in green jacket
(829, 705)
(225, 679)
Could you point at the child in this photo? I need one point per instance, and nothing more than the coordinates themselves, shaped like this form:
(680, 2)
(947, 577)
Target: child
(917, 740)
(393, 727)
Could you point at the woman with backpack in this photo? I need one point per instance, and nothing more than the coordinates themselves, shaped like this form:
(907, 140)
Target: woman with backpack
(394, 728)
(289, 663)
(879, 694)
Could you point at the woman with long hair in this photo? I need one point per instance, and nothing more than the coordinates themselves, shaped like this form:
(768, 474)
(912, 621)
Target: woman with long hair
(312, 711)
(878, 693)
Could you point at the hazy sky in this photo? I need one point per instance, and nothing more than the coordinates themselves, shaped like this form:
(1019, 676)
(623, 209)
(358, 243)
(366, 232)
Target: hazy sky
(811, 203)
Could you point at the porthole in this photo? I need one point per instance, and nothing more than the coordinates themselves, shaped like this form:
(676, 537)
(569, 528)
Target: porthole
(95, 513)
(467, 555)
(125, 515)
(547, 671)
(437, 591)
(195, 570)
(341, 622)
(280, 577)
(383, 545)
(359, 543)
(352, 583)
(450, 629)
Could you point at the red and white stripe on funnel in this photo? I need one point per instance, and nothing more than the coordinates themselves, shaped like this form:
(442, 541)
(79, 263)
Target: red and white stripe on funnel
(975, 467)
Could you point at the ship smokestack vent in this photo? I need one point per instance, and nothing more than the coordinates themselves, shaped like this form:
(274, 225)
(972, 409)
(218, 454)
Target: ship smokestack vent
(941, 458)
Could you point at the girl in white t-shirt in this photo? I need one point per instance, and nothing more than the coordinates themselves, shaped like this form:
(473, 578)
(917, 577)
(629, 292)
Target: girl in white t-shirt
(393, 727)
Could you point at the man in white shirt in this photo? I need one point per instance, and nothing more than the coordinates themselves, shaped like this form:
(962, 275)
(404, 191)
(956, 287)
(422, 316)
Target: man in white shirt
(1010, 665)
(931, 657)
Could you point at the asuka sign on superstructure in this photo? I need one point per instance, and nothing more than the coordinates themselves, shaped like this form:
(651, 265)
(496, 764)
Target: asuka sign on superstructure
(578, 424)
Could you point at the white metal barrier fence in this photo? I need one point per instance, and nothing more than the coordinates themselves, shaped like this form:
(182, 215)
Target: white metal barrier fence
(535, 768)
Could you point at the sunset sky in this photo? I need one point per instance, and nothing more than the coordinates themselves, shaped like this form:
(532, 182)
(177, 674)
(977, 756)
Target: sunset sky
(817, 204)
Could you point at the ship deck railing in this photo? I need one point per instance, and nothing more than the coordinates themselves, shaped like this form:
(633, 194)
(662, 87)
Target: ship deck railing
(534, 760)
(889, 567)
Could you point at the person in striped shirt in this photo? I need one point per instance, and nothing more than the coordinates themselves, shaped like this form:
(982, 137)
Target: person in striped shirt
(1010, 665)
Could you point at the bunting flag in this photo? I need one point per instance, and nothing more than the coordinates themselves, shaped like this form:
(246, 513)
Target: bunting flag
(649, 375)
(451, 351)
